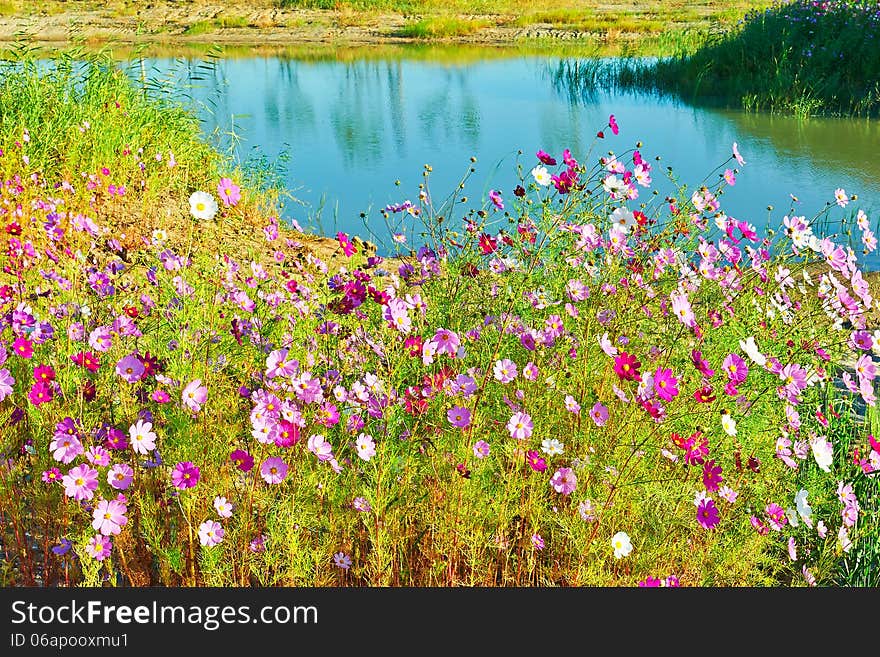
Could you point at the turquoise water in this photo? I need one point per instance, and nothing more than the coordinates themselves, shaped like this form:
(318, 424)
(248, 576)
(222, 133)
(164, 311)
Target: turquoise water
(351, 129)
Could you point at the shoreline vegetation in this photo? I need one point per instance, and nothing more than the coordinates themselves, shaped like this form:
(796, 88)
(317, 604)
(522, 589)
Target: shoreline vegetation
(803, 58)
(491, 22)
(557, 389)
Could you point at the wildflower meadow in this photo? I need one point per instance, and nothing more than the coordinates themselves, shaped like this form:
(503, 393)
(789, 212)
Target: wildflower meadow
(574, 380)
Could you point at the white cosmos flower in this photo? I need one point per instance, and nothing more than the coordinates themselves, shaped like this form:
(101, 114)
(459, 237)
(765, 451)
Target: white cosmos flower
(823, 452)
(803, 507)
(621, 544)
(541, 175)
(552, 446)
(202, 205)
(728, 424)
(751, 349)
(623, 218)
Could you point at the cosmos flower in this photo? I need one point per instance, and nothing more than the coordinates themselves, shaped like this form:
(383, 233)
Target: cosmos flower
(621, 544)
(211, 533)
(80, 483)
(459, 416)
(185, 475)
(194, 395)
(564, 481)
(229, 192)
(273, 470)
(109, 517)
(202, 205)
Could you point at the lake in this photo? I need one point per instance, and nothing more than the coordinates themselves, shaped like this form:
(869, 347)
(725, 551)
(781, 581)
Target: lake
(352, 128)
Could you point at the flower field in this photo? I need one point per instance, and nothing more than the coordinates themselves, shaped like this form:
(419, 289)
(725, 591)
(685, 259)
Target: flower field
(572, 382)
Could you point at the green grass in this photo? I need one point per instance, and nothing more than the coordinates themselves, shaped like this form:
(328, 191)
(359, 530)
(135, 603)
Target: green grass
(199, 27)
(442, 28)
(793, 58)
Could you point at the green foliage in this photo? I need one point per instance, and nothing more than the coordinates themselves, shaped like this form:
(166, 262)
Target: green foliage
(801, 58)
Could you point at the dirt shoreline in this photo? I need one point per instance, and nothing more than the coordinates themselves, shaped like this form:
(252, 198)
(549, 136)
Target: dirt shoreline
(168, 24)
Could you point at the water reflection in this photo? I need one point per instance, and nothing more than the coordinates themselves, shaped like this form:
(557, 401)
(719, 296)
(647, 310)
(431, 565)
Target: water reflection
(355, 125)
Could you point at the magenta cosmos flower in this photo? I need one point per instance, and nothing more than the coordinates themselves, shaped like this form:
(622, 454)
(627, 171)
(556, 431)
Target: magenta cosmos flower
(229, 192)
(273, 470)
(712, 476)
(626, 366)
(194, 395)
(564, 481)
(707, 514)
(242, 460)
(459, 416)
(536, 461)
(109, 517)
(665, 384)
(185, 475)
(80, 483)
(40, 393)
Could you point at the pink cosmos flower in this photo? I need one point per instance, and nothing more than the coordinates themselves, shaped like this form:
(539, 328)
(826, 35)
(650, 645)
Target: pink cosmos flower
(320, 447)
(273, 470)
(537, 542)
(446, 341)
(211, 533)
(712, 475)
(109, 517)
(729, 177)
(345, 244)
(65, 448)
(6, 383)
(481, 449)
(840, 197)
(599, 413)
(229, 192)
(564, 481)
(99, 547)
(80, 483)
(520, 426)
(222, 507)
(185, 475)
(505, 371)
(365, 446)
(736, 368)
(495, 197)
(736, 154)
(665, 384)
(194, 395)
(51, 475)
(120, 476)
(130, 368)
(612, 123)
(546, 158)
(44, 373)
(459, 416)
(571, 405)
